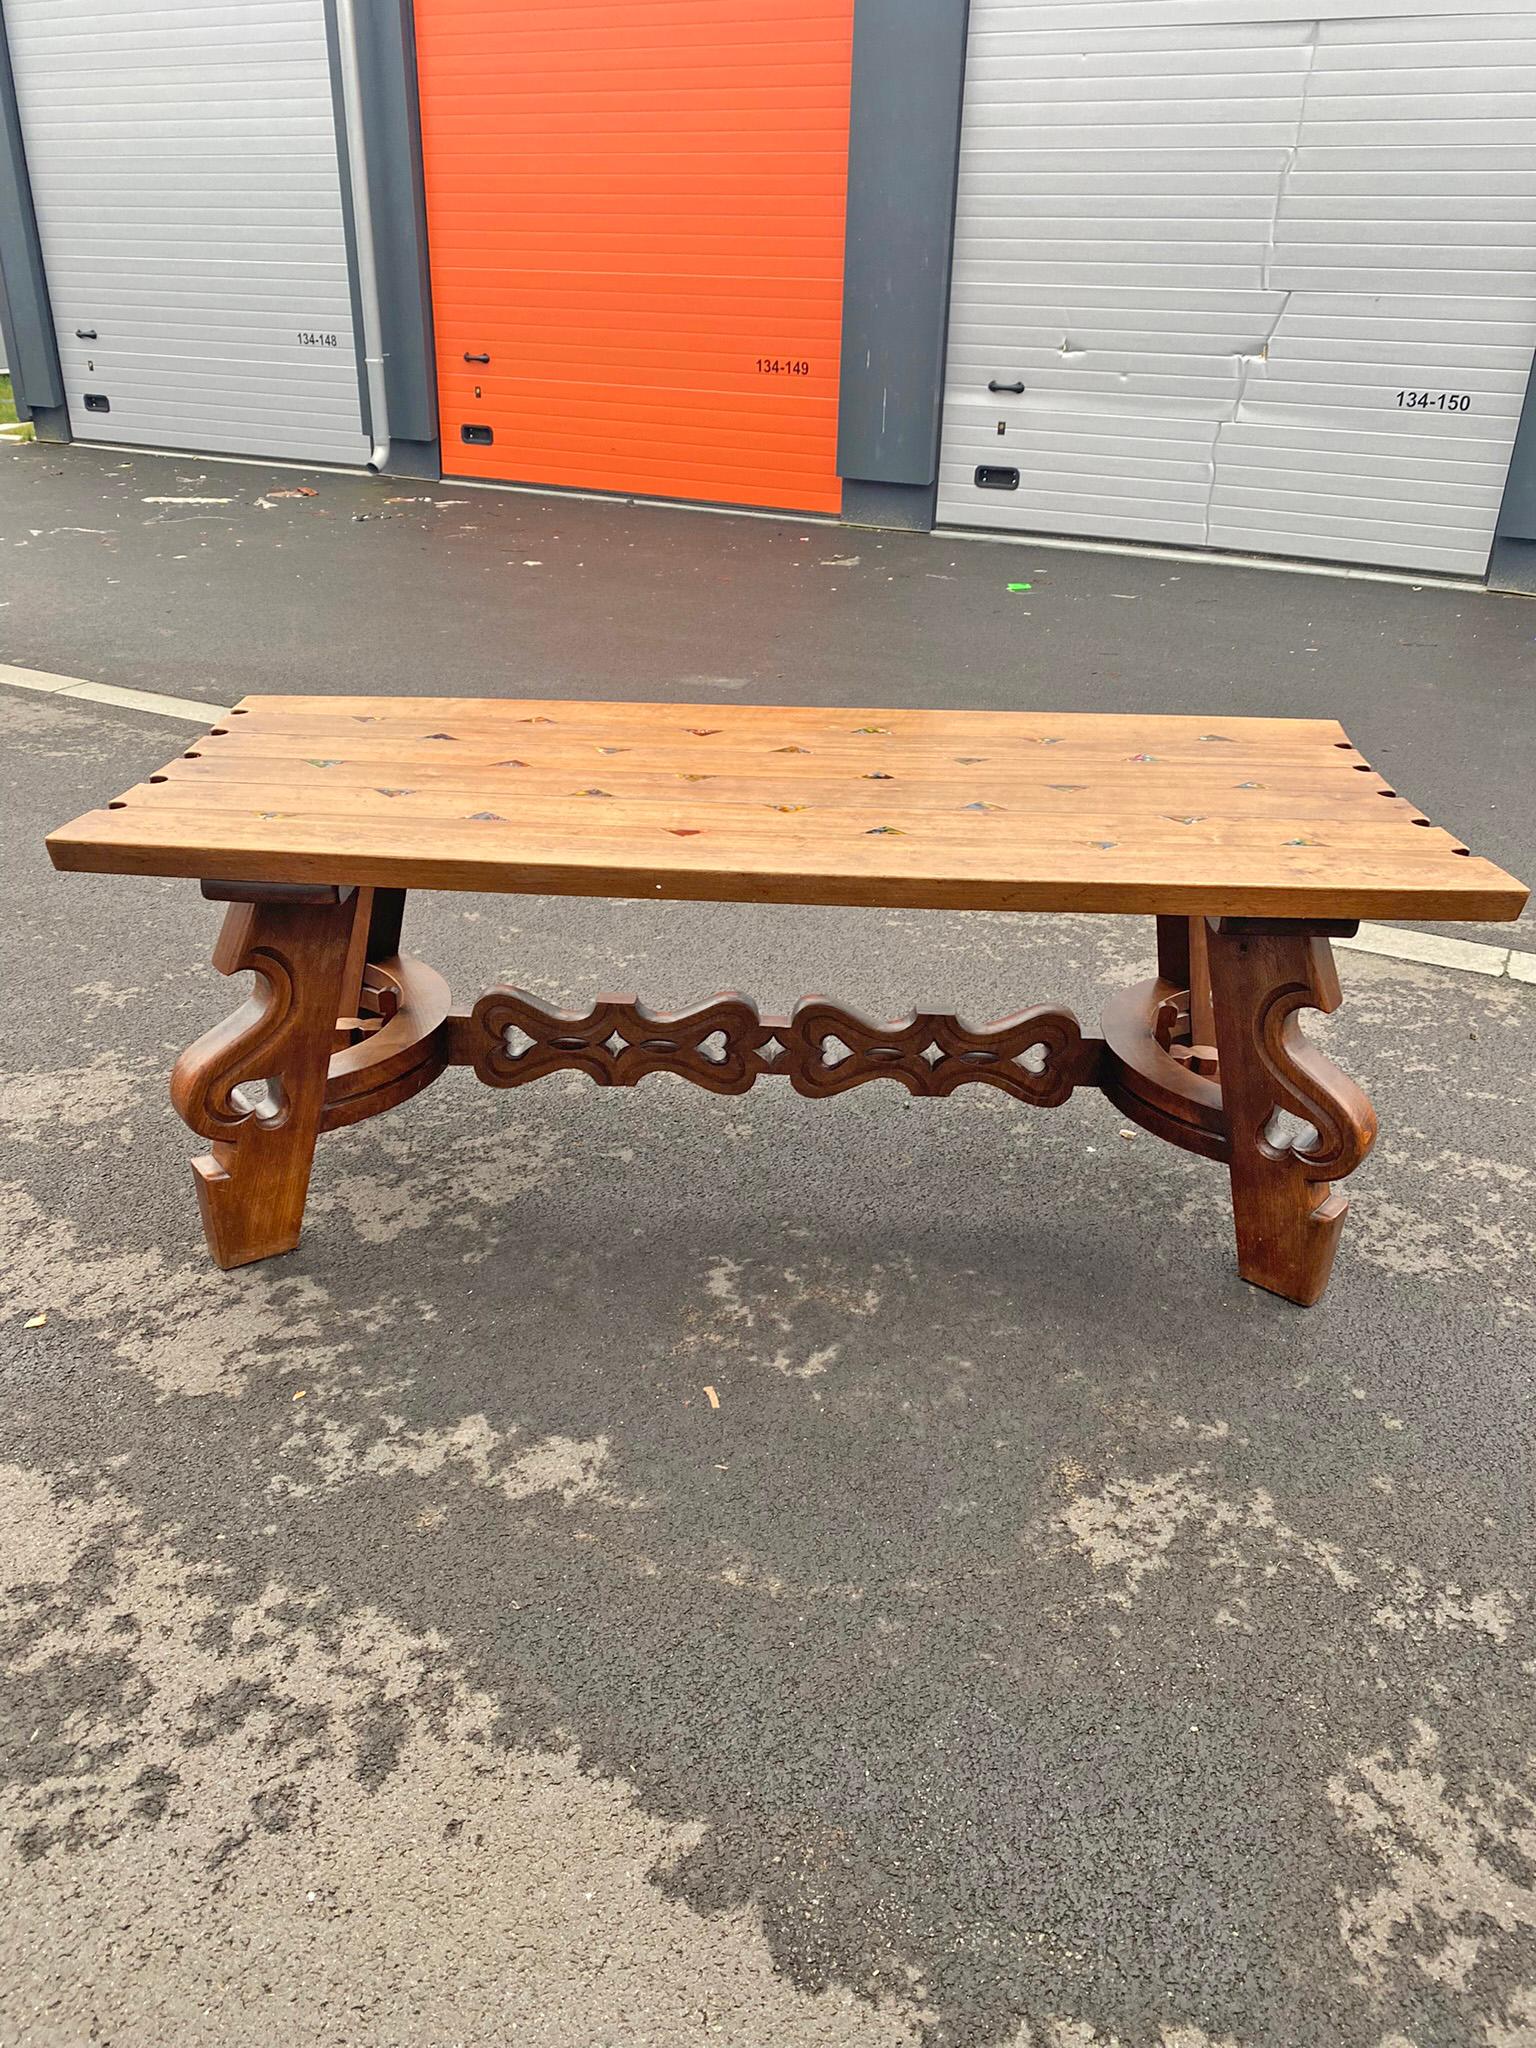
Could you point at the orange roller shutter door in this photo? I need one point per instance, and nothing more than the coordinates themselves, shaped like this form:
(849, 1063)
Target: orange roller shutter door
(635, 210)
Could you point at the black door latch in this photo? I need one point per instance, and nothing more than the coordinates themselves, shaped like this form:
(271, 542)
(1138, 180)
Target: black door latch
(1016, 389)
(476, 359)
(85, 334)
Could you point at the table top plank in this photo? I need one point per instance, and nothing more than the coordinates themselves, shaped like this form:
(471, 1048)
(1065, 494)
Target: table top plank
(604, 714)
(1051, 809)
(989, 810)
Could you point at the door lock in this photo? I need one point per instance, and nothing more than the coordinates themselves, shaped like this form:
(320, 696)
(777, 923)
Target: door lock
(1016, 389)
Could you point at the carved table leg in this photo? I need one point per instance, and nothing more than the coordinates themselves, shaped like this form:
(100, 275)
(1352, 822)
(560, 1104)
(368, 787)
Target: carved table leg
(1183, 961)
(349, 1019)
(1202, 1007)
(251, 1186)
(1174, 935)
(1287, 1213)
(386, 914)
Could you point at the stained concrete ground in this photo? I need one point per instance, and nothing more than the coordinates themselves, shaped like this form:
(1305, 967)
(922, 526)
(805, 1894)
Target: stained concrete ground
(1049, 1642)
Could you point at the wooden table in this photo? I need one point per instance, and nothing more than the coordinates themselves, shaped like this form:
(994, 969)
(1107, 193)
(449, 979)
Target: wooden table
(1252, 841)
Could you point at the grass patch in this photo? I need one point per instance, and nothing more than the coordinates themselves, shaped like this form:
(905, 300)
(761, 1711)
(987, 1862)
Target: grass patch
(8, 412)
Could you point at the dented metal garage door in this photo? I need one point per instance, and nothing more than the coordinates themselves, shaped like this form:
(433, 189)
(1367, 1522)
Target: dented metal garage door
(1229, 274)
(184, 171)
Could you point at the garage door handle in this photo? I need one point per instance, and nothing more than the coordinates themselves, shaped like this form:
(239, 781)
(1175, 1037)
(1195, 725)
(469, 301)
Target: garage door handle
(1017, 389)
(85, 334)
(476, 359)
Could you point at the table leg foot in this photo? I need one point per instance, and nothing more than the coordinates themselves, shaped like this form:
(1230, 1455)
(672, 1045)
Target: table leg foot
(252, 1185)
(1287, 1212)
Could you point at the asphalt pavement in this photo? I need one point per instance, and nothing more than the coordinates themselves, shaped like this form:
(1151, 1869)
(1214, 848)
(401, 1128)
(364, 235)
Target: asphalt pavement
(117, 573)
(1047, 1642)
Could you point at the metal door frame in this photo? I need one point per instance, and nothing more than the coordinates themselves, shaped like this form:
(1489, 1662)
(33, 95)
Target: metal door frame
(32, 347)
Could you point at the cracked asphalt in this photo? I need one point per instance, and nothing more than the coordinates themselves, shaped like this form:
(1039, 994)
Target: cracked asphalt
(1048, 1642)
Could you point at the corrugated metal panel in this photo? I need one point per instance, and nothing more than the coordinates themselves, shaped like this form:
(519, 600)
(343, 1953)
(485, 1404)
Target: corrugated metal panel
(635, 210)
(184, 170)
(1216, 241)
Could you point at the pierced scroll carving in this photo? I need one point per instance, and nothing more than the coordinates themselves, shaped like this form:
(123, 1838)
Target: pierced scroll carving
(251, 1185)
(1287, 1212)
(341, 1027)
(934, 1055)
(1305, 1081)
(251, 1045)
(1221, 1099)
(617, 1042)
(207, 1080)
(1038, 1056)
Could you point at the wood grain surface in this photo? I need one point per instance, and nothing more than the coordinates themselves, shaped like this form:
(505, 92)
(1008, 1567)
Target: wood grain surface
(926, 809)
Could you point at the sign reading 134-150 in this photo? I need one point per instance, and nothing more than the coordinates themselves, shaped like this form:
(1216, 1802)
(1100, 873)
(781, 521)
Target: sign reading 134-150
(1434, 401)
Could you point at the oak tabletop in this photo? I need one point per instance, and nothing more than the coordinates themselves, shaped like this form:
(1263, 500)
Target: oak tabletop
(1025, 810)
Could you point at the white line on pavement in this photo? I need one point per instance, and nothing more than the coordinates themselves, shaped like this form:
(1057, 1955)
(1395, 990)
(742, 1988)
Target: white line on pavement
(1429, 949)
(111, 693)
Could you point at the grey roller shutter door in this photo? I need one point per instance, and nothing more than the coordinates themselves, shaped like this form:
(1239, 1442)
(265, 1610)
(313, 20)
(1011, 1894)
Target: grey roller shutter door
(185, 175)
(1269, 280)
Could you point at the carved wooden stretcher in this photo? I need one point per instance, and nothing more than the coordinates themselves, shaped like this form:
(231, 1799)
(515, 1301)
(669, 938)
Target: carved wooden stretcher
(1252, 842)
